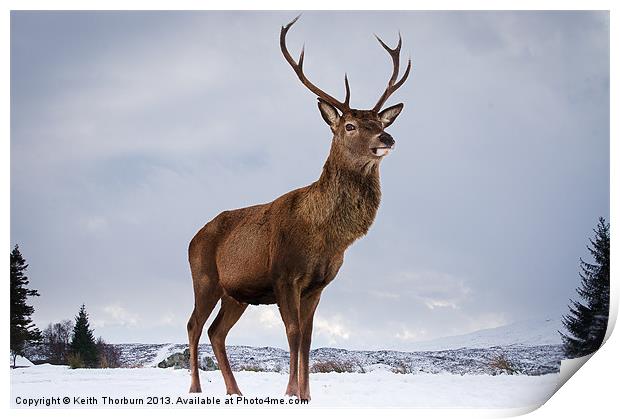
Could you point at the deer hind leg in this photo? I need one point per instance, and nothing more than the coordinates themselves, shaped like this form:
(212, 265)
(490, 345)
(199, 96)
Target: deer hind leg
(207, 293)
(229, 314)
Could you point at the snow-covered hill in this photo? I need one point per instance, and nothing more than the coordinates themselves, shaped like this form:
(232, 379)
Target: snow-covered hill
(529, 347)
(532, 332)
(527, 360)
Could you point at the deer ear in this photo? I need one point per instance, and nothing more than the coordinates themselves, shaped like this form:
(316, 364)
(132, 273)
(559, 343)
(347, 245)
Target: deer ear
(329, 113)
(388, 115)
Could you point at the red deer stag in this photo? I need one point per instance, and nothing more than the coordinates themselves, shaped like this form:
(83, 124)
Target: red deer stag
(288, 250)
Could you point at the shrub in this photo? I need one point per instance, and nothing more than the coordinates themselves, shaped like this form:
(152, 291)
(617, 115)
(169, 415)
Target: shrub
(360, 368)
(56, 340)
(333, 366)
(251, 367)
(402, 368)
(109, 355)
(501, 365)
(75, 361)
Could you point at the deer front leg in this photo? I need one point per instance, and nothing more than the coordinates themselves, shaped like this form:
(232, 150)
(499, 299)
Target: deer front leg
(288, 297)
(307, 309)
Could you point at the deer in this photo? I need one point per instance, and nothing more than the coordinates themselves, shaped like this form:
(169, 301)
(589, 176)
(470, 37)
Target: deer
(287, 251)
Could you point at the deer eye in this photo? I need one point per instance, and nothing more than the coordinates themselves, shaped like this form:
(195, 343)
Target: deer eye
(349, 127)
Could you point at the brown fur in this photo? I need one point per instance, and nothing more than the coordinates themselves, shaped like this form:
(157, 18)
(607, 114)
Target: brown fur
(288, 250)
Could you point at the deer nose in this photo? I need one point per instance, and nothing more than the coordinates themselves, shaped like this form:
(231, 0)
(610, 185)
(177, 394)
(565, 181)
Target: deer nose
(386, 139)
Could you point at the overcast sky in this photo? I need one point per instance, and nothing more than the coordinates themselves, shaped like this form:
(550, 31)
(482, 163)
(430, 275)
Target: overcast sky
(131, 130)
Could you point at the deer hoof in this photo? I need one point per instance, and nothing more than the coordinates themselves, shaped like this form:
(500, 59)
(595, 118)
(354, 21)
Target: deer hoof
(234, 393)
(195, 389)
(292, 393)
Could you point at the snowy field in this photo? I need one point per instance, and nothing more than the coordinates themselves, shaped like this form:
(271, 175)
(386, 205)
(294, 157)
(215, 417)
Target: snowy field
(378, 388)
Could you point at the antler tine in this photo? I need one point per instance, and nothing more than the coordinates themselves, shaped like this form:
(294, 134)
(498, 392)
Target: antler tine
(348, 91)
(392, 84)
(298, 69)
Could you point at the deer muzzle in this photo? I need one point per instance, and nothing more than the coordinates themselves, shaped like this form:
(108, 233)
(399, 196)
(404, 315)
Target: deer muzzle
(387, 139)
(388, 144)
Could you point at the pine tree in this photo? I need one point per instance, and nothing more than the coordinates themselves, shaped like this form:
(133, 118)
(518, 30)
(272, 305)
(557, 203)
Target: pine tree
(23, 330)
(587, 322)
(83, 342)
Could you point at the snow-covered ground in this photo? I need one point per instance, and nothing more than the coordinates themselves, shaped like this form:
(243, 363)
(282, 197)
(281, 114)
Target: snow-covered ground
(378, 388)
(456, 371)
(20, 362)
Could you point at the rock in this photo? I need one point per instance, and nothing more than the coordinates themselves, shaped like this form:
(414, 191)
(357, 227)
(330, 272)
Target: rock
(207, 364)
(177, 361)
(181, 361)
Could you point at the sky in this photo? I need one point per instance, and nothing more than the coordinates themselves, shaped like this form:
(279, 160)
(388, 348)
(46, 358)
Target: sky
(131, 130)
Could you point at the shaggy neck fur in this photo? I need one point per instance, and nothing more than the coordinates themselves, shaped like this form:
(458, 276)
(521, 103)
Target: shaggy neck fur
(343, 203)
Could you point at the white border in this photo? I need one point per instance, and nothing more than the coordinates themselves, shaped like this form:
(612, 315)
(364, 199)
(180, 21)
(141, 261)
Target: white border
(590, 393)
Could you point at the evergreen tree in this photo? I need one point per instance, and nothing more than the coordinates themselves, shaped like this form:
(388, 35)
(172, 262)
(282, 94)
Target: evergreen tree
(587, 322)
(83, 341)
(22, 328)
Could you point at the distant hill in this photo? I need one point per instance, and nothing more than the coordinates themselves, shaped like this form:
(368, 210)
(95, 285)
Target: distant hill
(530, 347)
(527, 360)
(527, 333)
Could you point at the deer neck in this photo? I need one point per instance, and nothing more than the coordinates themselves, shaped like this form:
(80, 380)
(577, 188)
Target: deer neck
(343, 203)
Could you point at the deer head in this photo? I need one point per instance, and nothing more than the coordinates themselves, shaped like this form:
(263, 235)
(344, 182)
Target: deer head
(360, 140)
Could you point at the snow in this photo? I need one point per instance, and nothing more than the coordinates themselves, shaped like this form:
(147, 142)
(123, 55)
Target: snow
(377, 388)
(20, 361)
(161, 354)
(528, 360)
(453, 372)
(532, 332)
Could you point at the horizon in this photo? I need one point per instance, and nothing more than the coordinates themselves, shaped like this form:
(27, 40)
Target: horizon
(347, 349)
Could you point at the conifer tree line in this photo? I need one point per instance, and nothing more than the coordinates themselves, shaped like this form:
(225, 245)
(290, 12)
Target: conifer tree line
(66, 342)
(586, 324)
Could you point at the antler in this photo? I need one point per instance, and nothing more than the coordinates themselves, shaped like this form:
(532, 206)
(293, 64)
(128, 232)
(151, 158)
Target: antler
(392, 86)
(298, 68)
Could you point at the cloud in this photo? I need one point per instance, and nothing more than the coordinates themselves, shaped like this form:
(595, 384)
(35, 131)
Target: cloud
(333, 328)
(94, 224)
(269, 317)
(435, 289)
(115, 315)
(407, 334)
(168, 319)
(384, 294)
